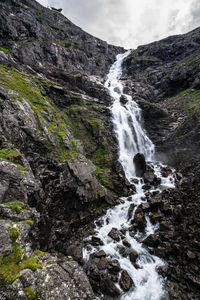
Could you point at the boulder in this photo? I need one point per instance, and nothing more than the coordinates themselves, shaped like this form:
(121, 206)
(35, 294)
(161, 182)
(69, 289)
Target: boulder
(115, 234)
(107, 287)
(125, 281)
(140, 164)
(133, 256)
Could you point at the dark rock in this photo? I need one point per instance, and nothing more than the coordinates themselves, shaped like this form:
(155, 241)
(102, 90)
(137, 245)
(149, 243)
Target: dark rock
(140, 164)
(139, 219)
(114, 267)
(130, 211)
(114, 234)
(95, 241)
(123, 100)
(151, 241)
(100, 253)
(133, 256)
(107, 287)
(75, 252)
(126, 243)
(125, 281)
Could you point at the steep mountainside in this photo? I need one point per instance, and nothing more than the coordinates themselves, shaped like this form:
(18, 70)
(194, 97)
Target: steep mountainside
(59, 166)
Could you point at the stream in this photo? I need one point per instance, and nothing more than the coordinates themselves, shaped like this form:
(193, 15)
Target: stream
(132, 139)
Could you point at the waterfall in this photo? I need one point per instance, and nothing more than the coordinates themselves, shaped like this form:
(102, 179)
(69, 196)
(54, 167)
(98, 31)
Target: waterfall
(132, 139)
(127, 121)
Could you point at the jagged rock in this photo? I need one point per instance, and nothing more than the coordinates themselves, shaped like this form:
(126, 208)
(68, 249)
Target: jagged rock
(75, 252)
(125, 281)
(140, 164)
(151, 241)
(130, 211)
(139, 220)
(115, 234)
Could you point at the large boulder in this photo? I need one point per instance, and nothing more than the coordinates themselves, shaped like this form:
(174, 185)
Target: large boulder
(125, 281)
(140, 164)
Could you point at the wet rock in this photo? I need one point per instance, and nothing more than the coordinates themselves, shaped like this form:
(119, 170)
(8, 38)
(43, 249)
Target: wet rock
(114, 267)
(115, 234)
(133, 256)
(130, 211)
(140, 164)
(107, 287)
(151, 178)
(125, 281)
(123, 100)
(139, 220)
(126, 243)
(100, 253)
(95, 241)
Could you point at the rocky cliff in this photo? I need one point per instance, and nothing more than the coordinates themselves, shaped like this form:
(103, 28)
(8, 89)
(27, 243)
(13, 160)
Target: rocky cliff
(59, 165)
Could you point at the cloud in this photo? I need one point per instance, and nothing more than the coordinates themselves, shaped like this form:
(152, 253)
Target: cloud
(130, 23)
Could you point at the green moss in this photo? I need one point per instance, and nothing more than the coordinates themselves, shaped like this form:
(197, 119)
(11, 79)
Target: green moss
(30, 293)
(11, 265)
(16, 206)
(5, 50)
(14, 233)
(11, 155)
(39, 253)
(184, 92)
(30, 263)
(29, 222)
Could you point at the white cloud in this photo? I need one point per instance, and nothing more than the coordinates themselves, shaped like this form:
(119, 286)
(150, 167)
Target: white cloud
(130, 23)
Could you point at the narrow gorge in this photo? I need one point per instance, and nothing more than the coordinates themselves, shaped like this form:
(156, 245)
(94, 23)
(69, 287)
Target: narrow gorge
(99, 162)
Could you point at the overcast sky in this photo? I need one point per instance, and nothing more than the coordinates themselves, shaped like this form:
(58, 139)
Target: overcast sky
(130, 23)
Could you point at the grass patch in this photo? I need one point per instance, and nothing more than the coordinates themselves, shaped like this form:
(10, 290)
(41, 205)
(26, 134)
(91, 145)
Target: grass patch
(16, 206)
(11, 155)
(14, 233)
(5, 50)
(30, 293)
(29, 222)
(39, 253)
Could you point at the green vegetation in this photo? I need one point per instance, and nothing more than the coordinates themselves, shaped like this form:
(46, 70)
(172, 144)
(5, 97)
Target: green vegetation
(39, 253)
(5, 50)
(14, 233)
(15, 205)
(11, 265)
(11, 155)
(29, 222)
(100, 174)
(30, 293)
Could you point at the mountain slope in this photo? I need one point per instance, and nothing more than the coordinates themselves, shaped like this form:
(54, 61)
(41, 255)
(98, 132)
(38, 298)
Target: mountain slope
(58, 155)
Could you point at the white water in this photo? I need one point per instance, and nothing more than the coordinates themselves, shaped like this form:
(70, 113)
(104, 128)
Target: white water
(132, 139)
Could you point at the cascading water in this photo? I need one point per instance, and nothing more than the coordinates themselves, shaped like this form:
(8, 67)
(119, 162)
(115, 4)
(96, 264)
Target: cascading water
(132, 139)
